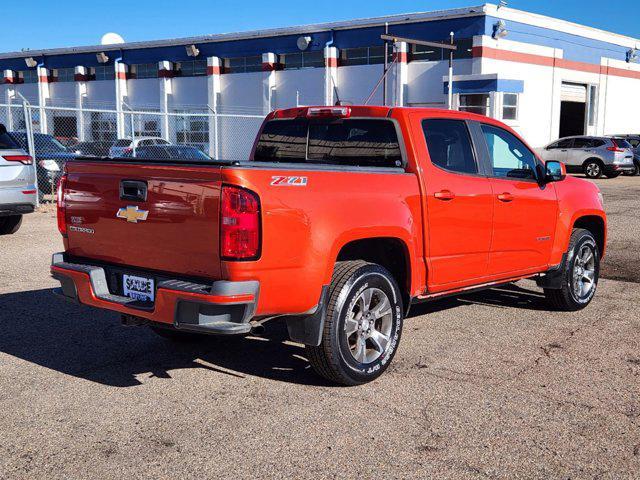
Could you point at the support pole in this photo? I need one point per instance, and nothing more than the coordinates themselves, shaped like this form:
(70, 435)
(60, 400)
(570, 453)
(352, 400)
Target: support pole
(450, 89)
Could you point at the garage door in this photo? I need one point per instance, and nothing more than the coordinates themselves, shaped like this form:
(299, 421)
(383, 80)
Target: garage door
(573, 92)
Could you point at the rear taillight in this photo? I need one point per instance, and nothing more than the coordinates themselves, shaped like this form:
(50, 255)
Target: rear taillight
(61, 208)
(128, 150)
(24, 159)
(615, 147)
(239, 224)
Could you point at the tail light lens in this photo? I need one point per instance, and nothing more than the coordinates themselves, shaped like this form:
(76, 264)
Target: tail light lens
(615, 148)
(239, 224)
(128, 150)
(323, 112)
(24, 159)
(61, 208)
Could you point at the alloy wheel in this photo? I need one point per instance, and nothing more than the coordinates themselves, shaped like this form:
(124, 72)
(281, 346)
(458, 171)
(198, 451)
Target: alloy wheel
(368, 326)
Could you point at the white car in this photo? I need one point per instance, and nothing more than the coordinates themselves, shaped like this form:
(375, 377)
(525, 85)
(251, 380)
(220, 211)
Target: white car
(18, 191)
(125, 147)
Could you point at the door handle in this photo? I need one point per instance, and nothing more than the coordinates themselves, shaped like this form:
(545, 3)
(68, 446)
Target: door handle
(505, 197)
(444, 195)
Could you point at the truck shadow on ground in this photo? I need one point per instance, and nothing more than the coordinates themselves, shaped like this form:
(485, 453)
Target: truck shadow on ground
(92, 344)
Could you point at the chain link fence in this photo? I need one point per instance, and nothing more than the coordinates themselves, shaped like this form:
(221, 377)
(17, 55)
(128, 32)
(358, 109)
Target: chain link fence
(54, 135)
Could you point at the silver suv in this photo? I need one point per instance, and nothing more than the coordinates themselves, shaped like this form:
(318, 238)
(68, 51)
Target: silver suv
(593, 156)
(634, 140)
(17, 183)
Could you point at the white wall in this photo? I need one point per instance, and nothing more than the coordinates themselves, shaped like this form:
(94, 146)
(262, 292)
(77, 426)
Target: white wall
(63, 94)
(356, 82)
(189, 92)
(101, 94)
(143, 92)
(241, 92)
(308, 81)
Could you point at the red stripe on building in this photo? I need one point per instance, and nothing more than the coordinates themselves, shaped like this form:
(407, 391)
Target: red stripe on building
(400, 57)
(43, 79)
(164, 73)
(122, 75)
(506, 55)
(331, 62)
(270, 67)
(79, 77)
(213, 70)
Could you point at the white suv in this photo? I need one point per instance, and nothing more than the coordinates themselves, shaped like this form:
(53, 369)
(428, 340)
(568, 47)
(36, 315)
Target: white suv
(125, 147)
(18, 191)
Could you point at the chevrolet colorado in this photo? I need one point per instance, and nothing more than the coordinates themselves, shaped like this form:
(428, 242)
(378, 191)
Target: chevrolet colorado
(339, 221)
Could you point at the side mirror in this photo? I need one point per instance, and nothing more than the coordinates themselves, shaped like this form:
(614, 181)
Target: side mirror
(554, 171)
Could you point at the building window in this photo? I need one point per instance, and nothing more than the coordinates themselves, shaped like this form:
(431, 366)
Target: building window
(29, 76)
(509, 106)
(432, 54)
(66, 74)
(465, 48)
(192, 131)
(146, 70)
(303, 60)
(426, 54)
(475, 103)
(593, 105)
(193, 68)
(364, 56)
(243, 64)
(105, 73)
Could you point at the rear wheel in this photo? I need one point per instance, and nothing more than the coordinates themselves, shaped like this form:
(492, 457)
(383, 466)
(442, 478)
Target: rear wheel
(10, 225)
(593, 168)
(635, 171)
(362, 327)
(580, 274)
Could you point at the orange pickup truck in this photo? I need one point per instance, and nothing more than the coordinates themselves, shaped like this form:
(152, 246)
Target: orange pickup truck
(340, 220)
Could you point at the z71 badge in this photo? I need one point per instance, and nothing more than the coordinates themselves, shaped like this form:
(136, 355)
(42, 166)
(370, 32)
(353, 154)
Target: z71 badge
(282, 181)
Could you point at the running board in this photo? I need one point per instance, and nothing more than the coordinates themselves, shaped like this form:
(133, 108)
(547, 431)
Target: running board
(472, 288)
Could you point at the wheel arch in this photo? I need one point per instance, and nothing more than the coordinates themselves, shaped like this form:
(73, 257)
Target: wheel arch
(596, 225)
(390, 252)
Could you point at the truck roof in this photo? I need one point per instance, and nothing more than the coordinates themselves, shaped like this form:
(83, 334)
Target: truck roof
(369, 111)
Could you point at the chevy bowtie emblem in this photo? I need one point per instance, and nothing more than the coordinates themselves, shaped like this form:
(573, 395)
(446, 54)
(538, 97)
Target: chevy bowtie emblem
(132, 214)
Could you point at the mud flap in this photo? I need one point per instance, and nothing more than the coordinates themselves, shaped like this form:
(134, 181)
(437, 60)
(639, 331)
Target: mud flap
(307, 329)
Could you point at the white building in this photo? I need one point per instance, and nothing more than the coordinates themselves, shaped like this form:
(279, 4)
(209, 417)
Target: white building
(544, 76)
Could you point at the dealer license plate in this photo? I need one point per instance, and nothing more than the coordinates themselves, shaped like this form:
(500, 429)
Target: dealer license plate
(138, 288)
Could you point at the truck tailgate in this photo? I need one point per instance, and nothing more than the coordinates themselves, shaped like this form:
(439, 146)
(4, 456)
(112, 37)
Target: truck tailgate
(174, 230)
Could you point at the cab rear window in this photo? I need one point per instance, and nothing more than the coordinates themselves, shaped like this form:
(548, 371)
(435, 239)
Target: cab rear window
(345, 142)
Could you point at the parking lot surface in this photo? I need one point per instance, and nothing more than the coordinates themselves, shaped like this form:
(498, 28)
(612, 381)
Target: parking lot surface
(489, 385)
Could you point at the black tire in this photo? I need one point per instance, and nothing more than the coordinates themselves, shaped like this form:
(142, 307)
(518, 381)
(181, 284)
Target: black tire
(566, 298)
(176, 336)
(593, 168)
(333, 358)
(635, 171)
(10, 225)
(613, 174)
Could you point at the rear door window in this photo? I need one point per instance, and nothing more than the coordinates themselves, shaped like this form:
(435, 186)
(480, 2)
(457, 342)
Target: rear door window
(122, 143)
(582, 143)
(449, 145)
(346, 142)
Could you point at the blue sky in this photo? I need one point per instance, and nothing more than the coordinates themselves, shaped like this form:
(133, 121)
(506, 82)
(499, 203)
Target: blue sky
(62, 23)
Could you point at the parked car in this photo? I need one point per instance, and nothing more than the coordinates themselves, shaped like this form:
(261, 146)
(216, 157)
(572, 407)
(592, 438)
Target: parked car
(340, 219)
(634, 141)
(593, 156)
(125, 146)
(50, 157)
(171, 152)
(92, 149)
(18, 192)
